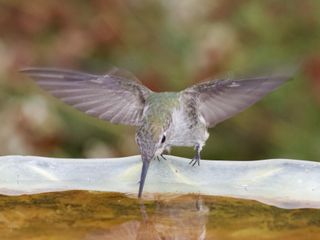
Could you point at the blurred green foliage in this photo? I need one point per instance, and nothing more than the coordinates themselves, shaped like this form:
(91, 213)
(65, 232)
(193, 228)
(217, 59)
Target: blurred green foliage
(168, 45)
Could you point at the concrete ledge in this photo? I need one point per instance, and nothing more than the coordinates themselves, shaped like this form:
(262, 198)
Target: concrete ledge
(281, 182)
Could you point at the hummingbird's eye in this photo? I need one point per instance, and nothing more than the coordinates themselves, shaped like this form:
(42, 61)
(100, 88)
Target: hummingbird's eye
(163, 139)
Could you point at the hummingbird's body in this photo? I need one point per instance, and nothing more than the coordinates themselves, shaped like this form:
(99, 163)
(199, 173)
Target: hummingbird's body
(175, 116)
(163, 119)
(175, 120)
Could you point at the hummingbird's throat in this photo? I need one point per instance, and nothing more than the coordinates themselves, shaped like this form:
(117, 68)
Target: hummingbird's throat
(159, 151)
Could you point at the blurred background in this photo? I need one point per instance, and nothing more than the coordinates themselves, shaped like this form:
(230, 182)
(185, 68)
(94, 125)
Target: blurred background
(168, 45)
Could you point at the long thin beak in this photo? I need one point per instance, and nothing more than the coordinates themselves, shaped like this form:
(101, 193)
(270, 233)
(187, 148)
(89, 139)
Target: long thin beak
(145, 167)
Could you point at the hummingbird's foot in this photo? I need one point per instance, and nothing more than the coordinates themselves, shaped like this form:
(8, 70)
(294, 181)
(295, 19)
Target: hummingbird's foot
(163, 157)
(196, 158)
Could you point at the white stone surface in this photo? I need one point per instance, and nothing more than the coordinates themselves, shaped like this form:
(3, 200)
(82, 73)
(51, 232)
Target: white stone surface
(280, 182)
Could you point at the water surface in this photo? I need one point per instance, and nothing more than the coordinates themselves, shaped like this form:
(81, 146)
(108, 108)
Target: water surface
(100, 215)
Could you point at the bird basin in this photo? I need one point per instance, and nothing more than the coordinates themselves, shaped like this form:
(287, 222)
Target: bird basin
(284, 183)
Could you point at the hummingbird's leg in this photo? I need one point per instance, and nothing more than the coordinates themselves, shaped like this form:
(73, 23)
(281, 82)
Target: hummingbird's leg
(196, 158)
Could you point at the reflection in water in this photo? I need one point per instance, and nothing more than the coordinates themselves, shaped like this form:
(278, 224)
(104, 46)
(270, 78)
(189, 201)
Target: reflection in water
(87, 215)
(171, 220)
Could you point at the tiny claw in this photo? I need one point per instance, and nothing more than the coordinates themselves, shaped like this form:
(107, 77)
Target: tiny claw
(163, 157)
(158, 158)
(194, 161)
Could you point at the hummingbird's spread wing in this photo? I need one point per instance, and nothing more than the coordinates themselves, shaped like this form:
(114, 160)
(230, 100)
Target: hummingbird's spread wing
(222, 99)
(115, 96)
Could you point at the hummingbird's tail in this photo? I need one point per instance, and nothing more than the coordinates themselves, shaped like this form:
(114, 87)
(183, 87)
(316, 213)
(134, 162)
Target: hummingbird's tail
(145, 167)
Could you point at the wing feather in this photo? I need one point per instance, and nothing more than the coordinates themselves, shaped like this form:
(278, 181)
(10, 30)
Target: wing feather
(222, 99)
(116, 96)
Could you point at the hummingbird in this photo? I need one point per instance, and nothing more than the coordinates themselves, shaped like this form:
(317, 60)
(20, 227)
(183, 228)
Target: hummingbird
(162, 119)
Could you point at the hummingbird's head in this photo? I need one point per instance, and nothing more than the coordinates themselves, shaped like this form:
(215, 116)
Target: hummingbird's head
(152, 141)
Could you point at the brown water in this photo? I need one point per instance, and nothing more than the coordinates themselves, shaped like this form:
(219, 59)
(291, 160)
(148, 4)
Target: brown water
(95, 215)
